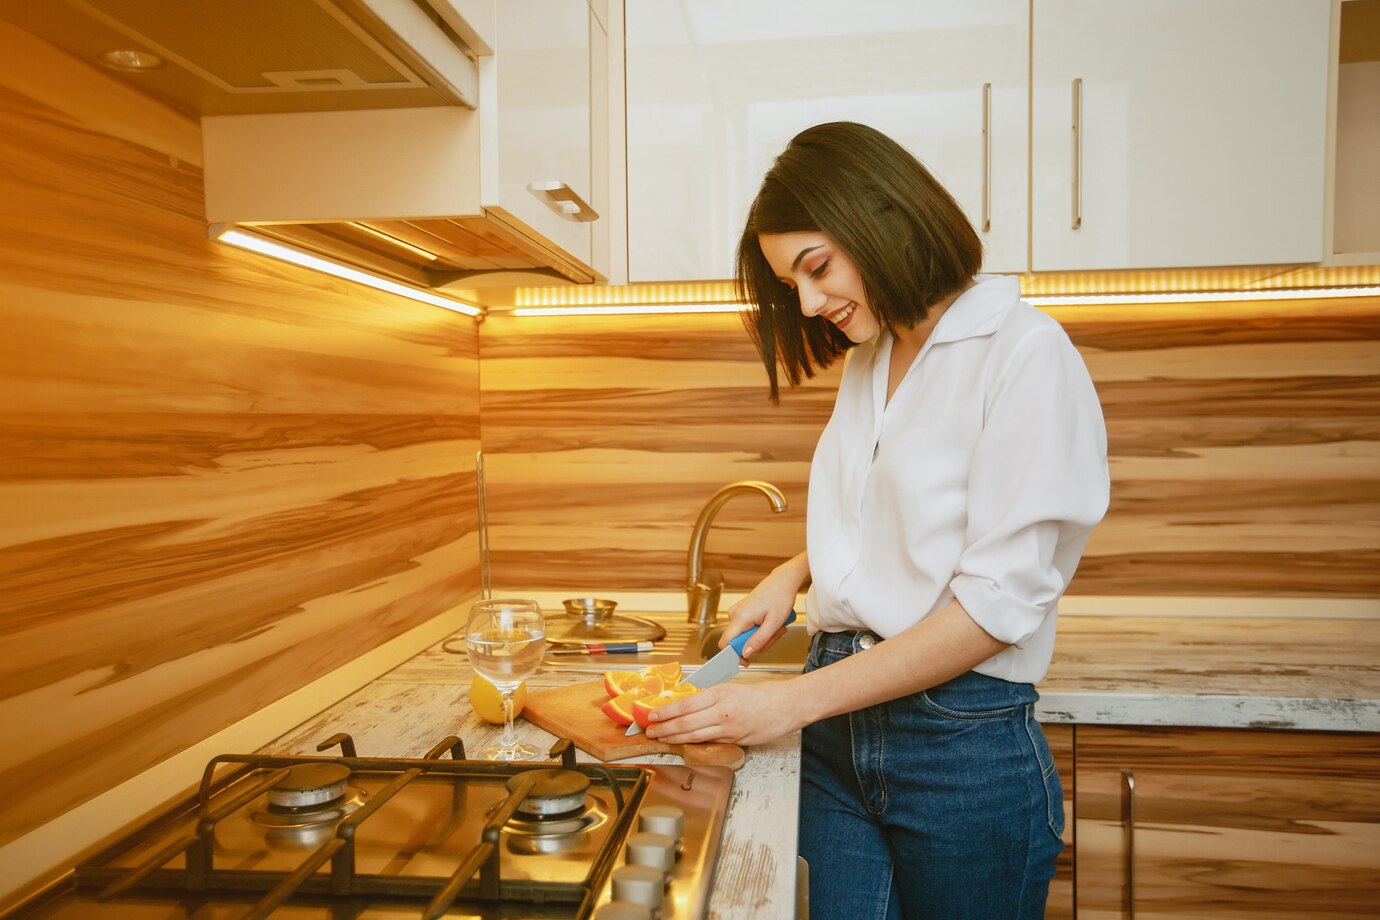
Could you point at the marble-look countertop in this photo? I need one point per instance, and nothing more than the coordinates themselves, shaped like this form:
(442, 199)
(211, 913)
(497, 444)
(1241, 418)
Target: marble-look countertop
(1224, 672)
(1298, 674)
(408, 710)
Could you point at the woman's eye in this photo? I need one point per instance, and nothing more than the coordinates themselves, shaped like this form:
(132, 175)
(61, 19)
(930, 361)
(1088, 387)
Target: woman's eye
(819, 271)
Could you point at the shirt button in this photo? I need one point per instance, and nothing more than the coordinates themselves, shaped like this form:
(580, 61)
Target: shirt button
(865, 642)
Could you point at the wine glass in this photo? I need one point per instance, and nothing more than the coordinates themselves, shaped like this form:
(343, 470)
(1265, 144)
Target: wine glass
(505, 640)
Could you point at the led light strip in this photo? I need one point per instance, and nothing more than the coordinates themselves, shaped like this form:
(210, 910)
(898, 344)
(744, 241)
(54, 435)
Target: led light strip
(267, 247)
(1073, 300)
(1048, 300)
(632, 309)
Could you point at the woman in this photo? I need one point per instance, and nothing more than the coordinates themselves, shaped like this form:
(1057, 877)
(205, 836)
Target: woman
(951, 496)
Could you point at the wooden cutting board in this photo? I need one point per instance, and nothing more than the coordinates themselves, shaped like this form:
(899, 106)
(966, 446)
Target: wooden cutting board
(573, 712)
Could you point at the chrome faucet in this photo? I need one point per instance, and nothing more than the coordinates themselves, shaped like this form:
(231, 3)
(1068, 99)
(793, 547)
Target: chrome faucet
(703, 589)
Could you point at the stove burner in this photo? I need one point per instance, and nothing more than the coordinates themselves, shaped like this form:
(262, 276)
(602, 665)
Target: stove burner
(311, 795)
(557, 793)
(310, 784)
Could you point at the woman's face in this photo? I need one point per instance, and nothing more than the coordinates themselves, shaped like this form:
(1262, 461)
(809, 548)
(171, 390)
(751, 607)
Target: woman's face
(826, 280)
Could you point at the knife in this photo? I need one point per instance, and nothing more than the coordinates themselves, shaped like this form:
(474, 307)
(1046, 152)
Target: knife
(719, 668)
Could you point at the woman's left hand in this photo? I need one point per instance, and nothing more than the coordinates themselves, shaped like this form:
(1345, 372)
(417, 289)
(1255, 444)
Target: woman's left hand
(741, 713)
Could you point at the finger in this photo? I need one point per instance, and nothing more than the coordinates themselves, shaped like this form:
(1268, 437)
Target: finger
(770, 631)
(683, 725)
(695, 736)
(683, 706)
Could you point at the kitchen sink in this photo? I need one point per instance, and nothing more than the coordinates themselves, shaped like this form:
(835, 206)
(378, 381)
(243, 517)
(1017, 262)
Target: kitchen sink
(787, 654)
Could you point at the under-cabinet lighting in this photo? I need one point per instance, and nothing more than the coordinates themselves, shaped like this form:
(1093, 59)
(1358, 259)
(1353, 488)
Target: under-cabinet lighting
(388, 238)
(1074, 300)
(267, 247)
(633, 309)
(1038, 300)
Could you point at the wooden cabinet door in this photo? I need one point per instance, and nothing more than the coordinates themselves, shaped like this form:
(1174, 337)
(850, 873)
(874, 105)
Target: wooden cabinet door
(1182, 822)
(1201, 132)
(1059, 905)
(715, 89)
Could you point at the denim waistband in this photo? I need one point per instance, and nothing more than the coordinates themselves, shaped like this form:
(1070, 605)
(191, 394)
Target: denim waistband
(848, 642)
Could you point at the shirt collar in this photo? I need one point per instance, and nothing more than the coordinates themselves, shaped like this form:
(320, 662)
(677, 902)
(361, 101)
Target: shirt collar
(978, 311)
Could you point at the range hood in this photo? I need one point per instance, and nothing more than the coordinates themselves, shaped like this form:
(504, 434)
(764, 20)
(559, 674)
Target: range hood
(354, 129)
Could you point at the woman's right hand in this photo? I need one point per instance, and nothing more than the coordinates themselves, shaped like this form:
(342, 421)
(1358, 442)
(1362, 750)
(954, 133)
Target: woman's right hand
(767, 605)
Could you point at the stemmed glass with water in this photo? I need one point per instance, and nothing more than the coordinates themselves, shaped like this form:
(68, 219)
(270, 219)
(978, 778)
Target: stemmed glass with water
(505, 640)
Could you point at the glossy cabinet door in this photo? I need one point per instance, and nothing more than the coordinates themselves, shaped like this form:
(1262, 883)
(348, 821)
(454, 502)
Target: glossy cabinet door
(1188, 822)
(716, 88)
(537, 92)
(1200, 138)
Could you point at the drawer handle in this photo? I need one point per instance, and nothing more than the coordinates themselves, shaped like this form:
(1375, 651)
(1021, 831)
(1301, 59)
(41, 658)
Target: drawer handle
(1128, 830)
(986, 157)
(562, 199)
(1078, 153)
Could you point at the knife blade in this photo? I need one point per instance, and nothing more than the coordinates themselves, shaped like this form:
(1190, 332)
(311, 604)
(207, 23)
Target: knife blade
(719, 668)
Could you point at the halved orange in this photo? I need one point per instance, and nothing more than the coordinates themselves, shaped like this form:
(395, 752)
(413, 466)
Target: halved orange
(643, 705)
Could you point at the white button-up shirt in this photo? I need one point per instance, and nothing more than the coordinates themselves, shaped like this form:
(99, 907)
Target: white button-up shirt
(981, 480)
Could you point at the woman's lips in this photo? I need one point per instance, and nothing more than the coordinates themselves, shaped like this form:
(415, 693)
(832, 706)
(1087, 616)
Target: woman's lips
(842, 317)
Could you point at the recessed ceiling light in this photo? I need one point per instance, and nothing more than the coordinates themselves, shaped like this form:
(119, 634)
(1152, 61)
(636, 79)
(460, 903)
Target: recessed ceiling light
(122, 59)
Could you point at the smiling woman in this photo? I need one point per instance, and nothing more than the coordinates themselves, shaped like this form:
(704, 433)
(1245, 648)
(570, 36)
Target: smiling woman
(951, 496)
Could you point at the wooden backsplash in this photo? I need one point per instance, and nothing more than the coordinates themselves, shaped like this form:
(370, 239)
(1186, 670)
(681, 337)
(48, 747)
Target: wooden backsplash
(221, 476)
(1244, 441)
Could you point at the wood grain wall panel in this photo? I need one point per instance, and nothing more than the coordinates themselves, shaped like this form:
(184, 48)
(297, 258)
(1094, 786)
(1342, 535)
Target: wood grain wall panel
(1244, 442)
(605, 436)
(221, 476)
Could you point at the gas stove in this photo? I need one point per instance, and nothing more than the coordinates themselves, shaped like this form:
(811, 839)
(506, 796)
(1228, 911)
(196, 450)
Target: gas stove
(331, 838)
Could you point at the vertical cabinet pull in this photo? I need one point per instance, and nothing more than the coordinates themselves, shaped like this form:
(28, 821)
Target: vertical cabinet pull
(1077, 153)
(1128, 830)
(986, 157)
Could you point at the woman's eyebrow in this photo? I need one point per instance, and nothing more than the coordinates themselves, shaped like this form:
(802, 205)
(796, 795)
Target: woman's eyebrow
(803, 253)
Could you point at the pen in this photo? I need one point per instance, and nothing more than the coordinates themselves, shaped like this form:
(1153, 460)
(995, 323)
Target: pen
(607, 648)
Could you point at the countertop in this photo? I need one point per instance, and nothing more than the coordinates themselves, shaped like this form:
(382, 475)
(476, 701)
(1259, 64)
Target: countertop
(407, 711)
(1231, 672)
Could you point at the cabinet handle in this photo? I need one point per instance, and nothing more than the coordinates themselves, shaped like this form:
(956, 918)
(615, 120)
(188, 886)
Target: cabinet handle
(562, 199)
(1077, 153)
(1128, 830)
(986, 157)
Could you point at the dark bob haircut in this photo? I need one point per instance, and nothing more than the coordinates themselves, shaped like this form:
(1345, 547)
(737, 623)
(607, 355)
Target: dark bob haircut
(909, 239)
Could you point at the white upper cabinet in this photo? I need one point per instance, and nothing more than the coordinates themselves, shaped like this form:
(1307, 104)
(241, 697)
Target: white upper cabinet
(535, 98)
(715, 89)
(1171, 133)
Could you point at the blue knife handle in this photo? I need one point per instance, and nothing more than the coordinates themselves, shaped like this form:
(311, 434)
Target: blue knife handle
(741, 639)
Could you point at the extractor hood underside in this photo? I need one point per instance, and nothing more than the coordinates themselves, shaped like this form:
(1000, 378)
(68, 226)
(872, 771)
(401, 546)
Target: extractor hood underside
(435, 253)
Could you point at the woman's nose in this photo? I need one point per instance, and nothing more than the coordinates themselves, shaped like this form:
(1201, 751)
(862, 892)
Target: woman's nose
(812, 300)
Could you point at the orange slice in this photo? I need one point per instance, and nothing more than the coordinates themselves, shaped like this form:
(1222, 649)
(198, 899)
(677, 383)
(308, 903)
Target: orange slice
(616, 682)
(620, 708)
(642, 706)
(669, 672)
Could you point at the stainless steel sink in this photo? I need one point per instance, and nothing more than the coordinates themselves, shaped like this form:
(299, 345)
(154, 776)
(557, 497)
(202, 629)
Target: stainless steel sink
(787, 654)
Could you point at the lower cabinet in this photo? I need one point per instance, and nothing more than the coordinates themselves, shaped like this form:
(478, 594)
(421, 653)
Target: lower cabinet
(1233, 823)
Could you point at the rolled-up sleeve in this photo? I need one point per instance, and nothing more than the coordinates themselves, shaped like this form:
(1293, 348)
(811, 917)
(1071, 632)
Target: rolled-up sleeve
(1037, 485)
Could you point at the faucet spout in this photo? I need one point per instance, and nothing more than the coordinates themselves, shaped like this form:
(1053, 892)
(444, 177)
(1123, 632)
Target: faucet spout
(704, 588)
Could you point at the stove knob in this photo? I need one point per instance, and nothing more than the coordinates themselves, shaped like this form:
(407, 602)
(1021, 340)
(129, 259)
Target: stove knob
(655, 850)
(639, 885)
(622, 910)
(662, 819)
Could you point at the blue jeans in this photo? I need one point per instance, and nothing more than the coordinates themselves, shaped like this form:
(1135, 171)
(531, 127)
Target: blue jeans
(944, 804)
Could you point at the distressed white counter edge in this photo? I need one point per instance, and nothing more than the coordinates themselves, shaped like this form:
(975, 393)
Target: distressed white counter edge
(1209, 711)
